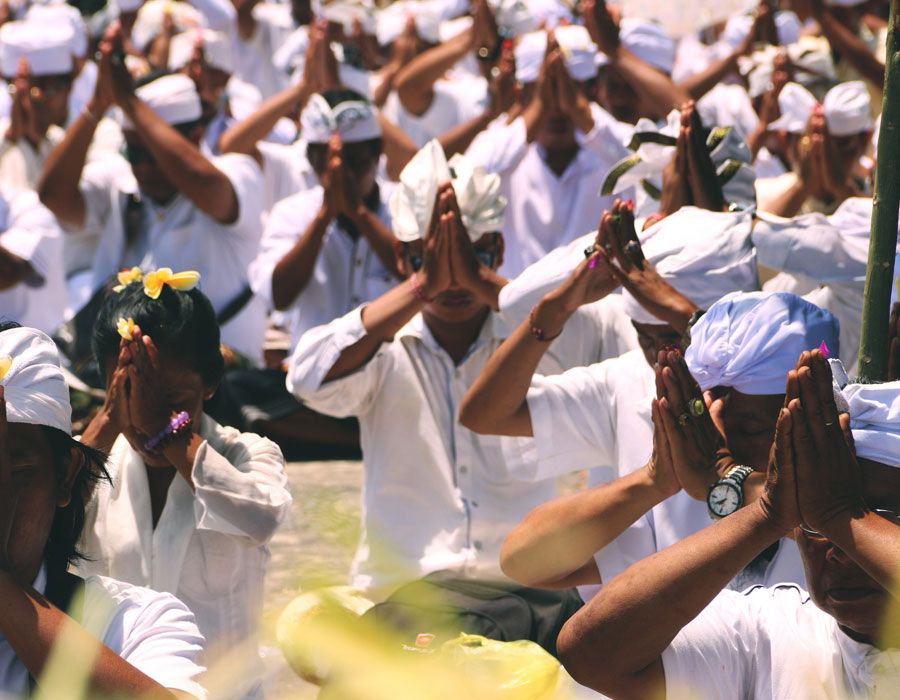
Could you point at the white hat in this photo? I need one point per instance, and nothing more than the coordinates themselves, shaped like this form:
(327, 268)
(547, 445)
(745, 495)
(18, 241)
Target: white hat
(354, 120)
(65, 15)
(578, 49)
(846, 106)
(477, 193)
(427, 14)
(750, 341)
(875, 421)
(738, 27)
(649, 42)
(36, 392)
(703, 254)
(346, 12)
(516, 17)
(173, 97)
(149, 22)
(216, 49)
(48, 48)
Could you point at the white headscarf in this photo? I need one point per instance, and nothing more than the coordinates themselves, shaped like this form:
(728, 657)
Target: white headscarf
(577, 47)
(847, 109)
(48, 47)
(354, 120)
(217, 49)
(649, 42)
(173, 97)
(751, 341)
(703, 254)
(875, 420)
(36, 392)
(477, 193)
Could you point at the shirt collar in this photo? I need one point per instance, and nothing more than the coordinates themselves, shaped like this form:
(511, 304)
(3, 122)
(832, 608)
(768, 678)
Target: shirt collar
(865, 664)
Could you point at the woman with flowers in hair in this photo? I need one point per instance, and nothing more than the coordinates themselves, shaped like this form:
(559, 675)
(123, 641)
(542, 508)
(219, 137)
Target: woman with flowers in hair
(193, 504)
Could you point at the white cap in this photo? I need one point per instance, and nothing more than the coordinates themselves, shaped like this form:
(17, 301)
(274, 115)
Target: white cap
(346, 12)
(173, 97)
(649, 42)
(216, 49)
(846, 106)
(427, 14)
(150, 17)
(579, 51)
(65, 15)
(516, 17)
(36, 392)
(47, 48)
(738, 27)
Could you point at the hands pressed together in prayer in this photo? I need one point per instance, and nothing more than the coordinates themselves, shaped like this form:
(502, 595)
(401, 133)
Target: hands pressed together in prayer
(824, 174)
(557, 93)
(23, 122)
(341, 191)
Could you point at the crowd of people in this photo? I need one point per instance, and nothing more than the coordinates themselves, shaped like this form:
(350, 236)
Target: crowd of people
(483, 245)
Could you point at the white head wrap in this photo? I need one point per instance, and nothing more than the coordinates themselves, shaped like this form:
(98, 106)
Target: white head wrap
(151, 15)
(751, 341)
(47, 48)
(173, 97)
(738, 27)
(846, 106)
(810, 56)
(347, 12)
(354, 120)
(649, 42)
(216, 49)
(516, 17)
(875, 421)
(703, 254)
(36, 392)
(477, 193)
(65, 15)
(427, 14)
(579, 51)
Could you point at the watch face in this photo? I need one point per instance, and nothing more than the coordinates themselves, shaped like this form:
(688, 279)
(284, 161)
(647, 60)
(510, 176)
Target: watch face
(724, 499)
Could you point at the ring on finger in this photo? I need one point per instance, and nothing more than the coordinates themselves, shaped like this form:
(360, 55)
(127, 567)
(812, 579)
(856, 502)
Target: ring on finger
(696, 407)
(590, 250)
(683, 419)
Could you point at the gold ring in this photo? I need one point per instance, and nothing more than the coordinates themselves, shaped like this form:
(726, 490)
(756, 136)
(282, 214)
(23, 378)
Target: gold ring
(696, 407)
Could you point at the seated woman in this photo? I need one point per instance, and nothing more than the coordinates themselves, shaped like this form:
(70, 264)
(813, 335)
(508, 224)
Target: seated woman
(148, 642)
(665, 626)
(193, 504)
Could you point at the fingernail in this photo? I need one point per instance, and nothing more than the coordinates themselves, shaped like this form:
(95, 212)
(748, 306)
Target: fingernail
(593, 263)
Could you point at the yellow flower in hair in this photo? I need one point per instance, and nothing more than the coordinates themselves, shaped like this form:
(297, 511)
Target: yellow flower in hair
(125, 326)
(182, 281)
(126, 277)
(5, 364)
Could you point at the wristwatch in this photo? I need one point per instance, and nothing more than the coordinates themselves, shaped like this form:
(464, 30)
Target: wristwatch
(727, 494)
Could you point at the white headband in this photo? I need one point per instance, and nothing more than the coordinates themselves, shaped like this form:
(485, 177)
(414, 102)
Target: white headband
(846, 107)
(354, 120)
(36, 392)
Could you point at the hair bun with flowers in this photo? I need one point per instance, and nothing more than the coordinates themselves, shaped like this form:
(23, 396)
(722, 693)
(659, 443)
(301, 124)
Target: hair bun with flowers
(155, 280)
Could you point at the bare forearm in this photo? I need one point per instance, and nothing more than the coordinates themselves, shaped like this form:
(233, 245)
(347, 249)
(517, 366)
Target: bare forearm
(398, 147)
(657, 87)
(790, 202)
(32, 626)
(460, 137)
(852, 48)
(415, 83)
(873, 543)
(388, 77)
(379, 237)
(182, 454)
(698, 85)
(560, 537)
(244, 135)
(101, 433)
(294, 270)
(13, 269)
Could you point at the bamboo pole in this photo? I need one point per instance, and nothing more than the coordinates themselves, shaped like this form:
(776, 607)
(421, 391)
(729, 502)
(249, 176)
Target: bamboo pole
(873, 346)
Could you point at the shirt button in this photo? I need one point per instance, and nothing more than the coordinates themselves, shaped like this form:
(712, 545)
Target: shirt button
(478, 545)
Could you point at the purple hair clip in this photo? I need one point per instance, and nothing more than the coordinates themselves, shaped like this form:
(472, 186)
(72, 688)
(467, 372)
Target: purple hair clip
(178, 423)
(823, 348)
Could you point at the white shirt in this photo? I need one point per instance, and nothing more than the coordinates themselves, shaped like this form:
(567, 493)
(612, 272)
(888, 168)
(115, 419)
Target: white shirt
(20, 162)
(29, 230)
(436, 495)
(600, 416)
(347, 272)
(253, 57)
(154, 632)
(544, 210)
(774, 644)
(286, 171)
(180, 236)
(210, 546)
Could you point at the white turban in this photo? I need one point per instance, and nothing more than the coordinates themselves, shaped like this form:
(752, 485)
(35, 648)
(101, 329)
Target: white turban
(477, 193)
(347, 12)
(751, 341)
(48, 48)
(702, 254)
(216, 49)
(36, 392)
(738, 27)
(65, 15)
(579, 51)
(846, 107)
(875, 421)
(810, 56)
(649, 42)
(354, 120)
(149, 22)
(427, 14)
(173, 97)
(516, 17)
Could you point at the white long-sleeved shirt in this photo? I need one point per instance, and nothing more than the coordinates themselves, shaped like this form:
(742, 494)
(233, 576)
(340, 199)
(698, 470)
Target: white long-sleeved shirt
(436, 495)
(210, 546)
(546, 210)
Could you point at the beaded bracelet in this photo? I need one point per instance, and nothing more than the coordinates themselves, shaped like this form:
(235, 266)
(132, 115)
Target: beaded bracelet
(418, 291)
(538, 332)
(179, 423)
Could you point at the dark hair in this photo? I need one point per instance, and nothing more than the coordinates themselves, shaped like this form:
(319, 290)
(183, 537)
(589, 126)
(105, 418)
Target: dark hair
(181, 323)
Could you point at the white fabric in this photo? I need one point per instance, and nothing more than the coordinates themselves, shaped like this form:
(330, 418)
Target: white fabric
(846, 106)
(750, 341)
(151, 16)
(216, 49)
(347, 271)
(810, 56)
(29, 231)
(210, 546)
(286, 171)
(428, 16)
(875, 421)
(649, 42)
(154, 632)
(354, 120)
(180, 236)
(774, 643)
(253, 56)
(738, 27)
(576, 45)
(517, 17)
(546, 210)
(477, 193)
(62, 13)
(702, 254)
(35, 389)
(174, 98)
(407, 398)
(20, 162)
(48, 47)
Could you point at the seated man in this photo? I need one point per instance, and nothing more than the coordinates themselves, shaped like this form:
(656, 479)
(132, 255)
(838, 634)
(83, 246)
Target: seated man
(172, 207)
(135, 642)
(437, 496)
(665, 627)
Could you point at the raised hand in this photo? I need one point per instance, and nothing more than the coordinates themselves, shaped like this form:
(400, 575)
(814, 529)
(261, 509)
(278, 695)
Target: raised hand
(676, 191)
(570, 100)
(341, 192)
(503, 82)
(435, 276)
(779, 497)
(704, 183)
(147, 405)
(601, 25)
(661, 466)
(485, 33)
